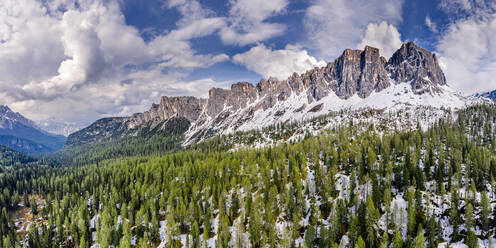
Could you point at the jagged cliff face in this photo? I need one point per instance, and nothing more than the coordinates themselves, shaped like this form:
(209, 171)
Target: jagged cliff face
(356, 74)
(418, 66)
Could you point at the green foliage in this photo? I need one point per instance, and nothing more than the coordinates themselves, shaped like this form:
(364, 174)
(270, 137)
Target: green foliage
(317, 190)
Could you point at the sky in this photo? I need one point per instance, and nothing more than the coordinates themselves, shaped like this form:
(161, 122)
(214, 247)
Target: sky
(80, 60)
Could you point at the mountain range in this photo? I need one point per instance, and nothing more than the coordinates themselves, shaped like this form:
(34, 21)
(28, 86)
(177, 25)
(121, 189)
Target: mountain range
(22, 134)
(411, 80)
(55, 126)
(491, 95)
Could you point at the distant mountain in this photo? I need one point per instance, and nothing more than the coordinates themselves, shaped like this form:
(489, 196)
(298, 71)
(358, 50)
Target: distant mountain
(61, 128)
(491, 95)
(411, 80)
(20, 133)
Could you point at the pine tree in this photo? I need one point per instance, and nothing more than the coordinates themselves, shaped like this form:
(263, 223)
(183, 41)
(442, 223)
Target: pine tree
(469, 216)
(371, 218)
(353, 228)
(485, 212)
(412, 223)
(471, 240)
(431, 231)
(195, 232)
(387, 204)
(82, 242)
(125, 242)
(384, 240)
(34, 207)
(398, 240)
(205, 238)
(419, 240)
(310, 236)
(360, 243)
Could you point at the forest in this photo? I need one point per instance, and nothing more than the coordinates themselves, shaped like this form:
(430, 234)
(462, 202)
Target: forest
(350, 186)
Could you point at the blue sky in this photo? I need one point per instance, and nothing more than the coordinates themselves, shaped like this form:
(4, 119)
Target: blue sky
(79, 60)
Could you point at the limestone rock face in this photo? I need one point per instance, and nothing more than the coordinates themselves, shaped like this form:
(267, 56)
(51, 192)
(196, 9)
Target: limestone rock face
(360, 72)
(418, 66)
(355, 72)
(183, 106)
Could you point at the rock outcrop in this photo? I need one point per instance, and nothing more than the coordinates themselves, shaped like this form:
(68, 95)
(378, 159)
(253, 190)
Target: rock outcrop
(418, 66)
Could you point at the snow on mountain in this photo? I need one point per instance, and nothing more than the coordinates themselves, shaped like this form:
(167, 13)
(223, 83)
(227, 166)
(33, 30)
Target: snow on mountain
(296, 108)
(491, 95)
(59, 127)
(9, 118)
(22, 134)
(359, 80)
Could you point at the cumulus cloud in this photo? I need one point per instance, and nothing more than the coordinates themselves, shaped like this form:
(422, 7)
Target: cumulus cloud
(467, 45)
(334, 25)
(277, 63)
(383, 36)
(59, 58)
(85, 59)
(29, 42)
(247, 21)
(470, 66)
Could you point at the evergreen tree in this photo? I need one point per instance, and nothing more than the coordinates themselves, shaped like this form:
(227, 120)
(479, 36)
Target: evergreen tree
(360, 243)
(485, 212)
(469, 216)
(398, 240)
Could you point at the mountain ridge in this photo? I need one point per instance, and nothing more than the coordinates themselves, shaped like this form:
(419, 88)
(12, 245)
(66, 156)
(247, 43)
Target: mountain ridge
(20, 133)
(491, 95)
(353, 77)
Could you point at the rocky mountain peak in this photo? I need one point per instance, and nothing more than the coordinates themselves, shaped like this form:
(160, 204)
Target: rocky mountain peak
(9, 118)
(355, 72)
(418, 66)
(491, 95)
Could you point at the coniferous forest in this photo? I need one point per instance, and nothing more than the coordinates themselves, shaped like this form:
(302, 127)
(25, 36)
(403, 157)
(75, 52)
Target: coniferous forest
(350, 186)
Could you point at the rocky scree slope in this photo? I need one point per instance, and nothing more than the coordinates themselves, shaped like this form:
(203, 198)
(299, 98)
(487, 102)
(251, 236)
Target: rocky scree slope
(356, 80)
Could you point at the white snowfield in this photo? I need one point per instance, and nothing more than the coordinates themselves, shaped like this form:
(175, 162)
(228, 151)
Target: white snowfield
(424, 108)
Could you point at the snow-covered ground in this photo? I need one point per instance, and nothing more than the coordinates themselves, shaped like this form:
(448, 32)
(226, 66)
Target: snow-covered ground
(426, 108)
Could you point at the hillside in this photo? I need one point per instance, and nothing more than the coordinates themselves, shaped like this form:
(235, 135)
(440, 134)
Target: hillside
(353, 185)
(9, 157)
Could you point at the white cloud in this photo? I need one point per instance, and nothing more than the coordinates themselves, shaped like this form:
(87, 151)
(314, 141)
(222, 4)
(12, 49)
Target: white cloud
(468, 8)
(383, 36)
(58, 58)
(247, 21)
(277, 63)
(190, 9)
(176, 51)
(468, 54)
(430, 24)
(29, 42)
(334, 25)
(85, 59)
